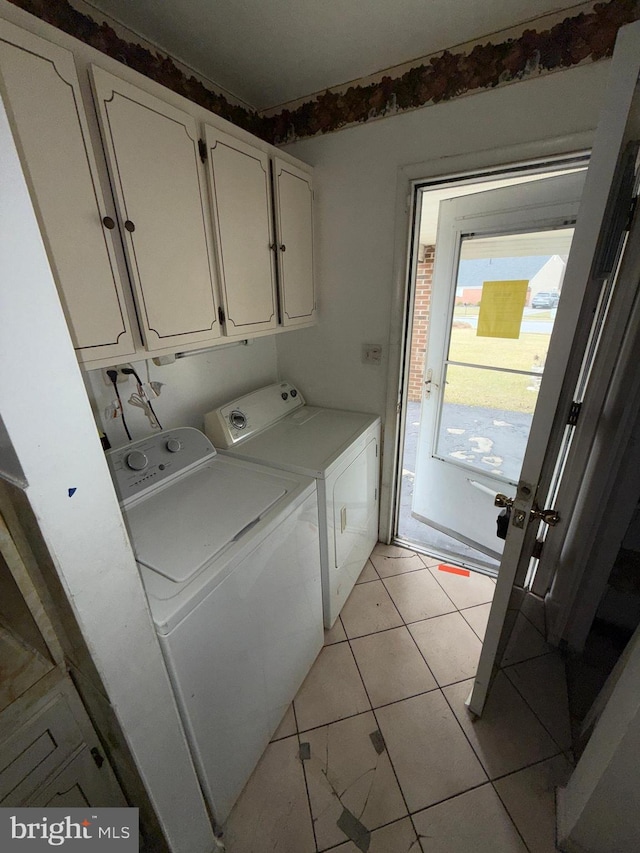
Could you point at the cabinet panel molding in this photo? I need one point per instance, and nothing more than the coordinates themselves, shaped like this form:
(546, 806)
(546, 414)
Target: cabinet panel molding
(293, 190)
(154, 159)
(41, 93)
(239, 179)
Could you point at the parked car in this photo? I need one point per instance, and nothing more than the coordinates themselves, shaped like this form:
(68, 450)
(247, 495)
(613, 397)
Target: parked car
(545, 300)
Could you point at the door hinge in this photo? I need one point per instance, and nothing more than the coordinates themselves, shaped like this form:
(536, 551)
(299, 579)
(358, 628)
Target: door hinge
(97, 757)
(221, 315)
(202, 149)
(574, 413)
(538, 546)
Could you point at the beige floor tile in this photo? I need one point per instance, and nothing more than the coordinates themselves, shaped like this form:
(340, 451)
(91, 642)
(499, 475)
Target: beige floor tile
(449, 646)
(368, 609)
(391, 666)
(508, 736)
(272, 813)
(529, 796)
(533, 608)
(368, 573)
(332, 690)
(418, 596)
(398, 837)
(524, 643)
(543, 683)
(394, 560)
(381, 549)
(477, 617)
(348, 769)
(430, 562)
(466, 591)
(335, 634)
(475, 822)
(429, 753)
(287, 726)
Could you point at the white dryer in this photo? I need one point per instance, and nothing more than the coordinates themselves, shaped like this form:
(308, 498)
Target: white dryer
(341, 449)
(228, 554)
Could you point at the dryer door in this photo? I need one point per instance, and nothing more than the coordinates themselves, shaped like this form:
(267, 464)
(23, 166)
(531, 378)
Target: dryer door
(355, 511)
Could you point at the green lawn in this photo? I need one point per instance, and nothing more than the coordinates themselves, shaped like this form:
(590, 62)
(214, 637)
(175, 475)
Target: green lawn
(496, 390)
(462, 311)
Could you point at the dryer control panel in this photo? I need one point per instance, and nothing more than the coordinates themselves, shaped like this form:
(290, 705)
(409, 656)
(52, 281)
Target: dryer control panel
(244, 417)
(144, 464)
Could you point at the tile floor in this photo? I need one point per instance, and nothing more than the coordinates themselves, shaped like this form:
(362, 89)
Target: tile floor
(377, 752)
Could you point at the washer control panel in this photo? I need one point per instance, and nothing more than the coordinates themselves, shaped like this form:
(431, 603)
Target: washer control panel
(248, 415)
(143, 464)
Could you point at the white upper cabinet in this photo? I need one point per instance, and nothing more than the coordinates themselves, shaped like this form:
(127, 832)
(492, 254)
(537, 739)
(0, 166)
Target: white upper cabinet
(40, 91)
(240, 187)
(293, 191)
(152, 150)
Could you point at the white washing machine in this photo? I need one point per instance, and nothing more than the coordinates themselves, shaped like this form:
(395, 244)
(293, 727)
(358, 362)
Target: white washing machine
(273, 426)
(228, 553)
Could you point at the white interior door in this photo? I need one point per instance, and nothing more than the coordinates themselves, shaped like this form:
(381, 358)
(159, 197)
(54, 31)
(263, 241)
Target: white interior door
(499, 269)
(597, 233)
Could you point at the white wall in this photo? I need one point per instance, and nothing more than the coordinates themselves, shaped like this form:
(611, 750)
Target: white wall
(356, 178)
(193, 386)
(598, 809)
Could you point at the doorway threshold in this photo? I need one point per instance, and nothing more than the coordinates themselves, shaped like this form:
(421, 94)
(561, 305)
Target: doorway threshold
(475, 564)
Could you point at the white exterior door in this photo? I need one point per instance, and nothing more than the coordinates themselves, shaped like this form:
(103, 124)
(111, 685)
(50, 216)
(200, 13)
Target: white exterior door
(598, 232)
(499, 268)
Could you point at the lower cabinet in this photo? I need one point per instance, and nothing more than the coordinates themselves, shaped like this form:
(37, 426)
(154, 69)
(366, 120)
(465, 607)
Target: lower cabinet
(50, 753)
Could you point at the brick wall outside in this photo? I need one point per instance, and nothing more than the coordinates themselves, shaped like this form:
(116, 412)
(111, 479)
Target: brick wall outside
(420, 326)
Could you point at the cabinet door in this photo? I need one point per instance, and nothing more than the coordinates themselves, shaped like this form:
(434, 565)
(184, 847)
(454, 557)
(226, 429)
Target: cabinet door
(243, 220)
(294, 222)
(152, 150)
(40, 90)
(81, 783)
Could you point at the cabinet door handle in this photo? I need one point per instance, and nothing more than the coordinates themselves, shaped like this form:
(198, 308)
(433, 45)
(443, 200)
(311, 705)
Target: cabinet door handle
(109, 223)
(283, 248)
(129, 225)
(273, 247)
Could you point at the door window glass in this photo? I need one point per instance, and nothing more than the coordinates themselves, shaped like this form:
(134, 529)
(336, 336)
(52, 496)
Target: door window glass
(506, 297)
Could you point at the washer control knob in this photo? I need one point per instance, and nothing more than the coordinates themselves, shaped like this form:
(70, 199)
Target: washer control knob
(136, 460)
(173, 445)
(294, 393)
(284, 395)
(238, 419)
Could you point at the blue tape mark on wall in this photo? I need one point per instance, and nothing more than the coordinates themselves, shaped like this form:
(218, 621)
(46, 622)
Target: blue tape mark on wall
(72, 492)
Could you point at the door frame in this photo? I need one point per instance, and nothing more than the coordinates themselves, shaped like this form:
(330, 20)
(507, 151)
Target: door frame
(479, 167)
(535, 205)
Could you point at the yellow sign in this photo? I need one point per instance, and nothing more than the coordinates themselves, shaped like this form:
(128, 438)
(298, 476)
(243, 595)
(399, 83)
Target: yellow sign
(501, 308)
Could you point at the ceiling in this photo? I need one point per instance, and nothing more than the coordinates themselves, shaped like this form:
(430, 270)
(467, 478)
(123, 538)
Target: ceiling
(270, 52)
